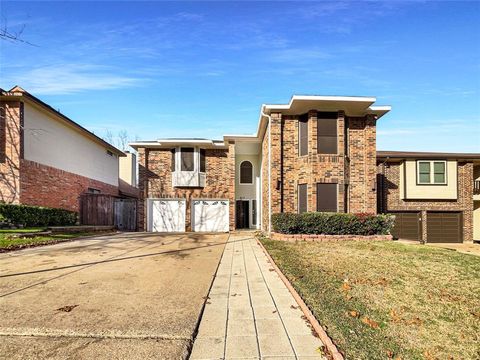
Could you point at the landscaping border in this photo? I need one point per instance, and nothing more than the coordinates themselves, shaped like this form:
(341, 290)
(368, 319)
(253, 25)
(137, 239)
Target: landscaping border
(324, 238)
(331, 347)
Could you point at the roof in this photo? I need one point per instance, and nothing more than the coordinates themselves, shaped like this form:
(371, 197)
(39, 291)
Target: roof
(385, 155)
(20, 93)
(171, 142)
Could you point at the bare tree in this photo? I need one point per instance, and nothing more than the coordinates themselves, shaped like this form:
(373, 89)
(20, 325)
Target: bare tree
(10, 35)
(123, 139)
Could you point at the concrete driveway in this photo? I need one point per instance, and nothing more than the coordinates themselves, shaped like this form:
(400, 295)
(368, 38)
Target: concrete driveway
(135, 296)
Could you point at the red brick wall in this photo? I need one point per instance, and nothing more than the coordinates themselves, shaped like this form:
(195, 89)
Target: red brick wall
(155, 180)
(389, 196)
(43, 185)
(10, 137)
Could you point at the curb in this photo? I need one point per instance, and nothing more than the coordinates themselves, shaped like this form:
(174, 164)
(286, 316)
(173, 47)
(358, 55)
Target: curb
(332, 349)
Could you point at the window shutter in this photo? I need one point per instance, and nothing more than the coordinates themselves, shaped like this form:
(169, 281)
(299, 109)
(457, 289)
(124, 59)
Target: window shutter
(302, 198)
(187, 159)
(202, 160)
(303, 135)
(173, 160)
(326, 197)
(327, 133)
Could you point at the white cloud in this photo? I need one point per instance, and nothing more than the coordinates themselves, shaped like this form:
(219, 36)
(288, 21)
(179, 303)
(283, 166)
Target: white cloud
(71, 78)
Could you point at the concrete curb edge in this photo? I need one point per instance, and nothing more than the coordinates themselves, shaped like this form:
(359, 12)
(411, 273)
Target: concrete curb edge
(332, 349)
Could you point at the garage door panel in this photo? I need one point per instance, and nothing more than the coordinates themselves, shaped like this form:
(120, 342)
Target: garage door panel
(167, 215)
(406, 226)
(210, 215)
(444, 227)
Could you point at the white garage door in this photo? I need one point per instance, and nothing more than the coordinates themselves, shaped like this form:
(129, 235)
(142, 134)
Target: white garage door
(167, 215)
(210, 215)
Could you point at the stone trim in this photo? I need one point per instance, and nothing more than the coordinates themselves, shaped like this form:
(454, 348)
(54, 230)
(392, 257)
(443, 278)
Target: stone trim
(324, 238)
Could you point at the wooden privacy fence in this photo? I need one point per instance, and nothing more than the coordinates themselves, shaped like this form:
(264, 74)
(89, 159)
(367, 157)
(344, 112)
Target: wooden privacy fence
(102, 209)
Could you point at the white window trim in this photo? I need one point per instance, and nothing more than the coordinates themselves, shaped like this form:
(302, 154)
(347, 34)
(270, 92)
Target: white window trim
(196, 159)
(432, 172)
(240, 173)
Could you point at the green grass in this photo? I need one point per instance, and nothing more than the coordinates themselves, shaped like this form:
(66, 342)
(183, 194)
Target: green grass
(381, 300)
(24, 230)
(8, 242)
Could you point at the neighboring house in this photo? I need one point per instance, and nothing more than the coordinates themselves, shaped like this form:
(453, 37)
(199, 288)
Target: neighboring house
(46, 159)
(316, 153)
(435, 196)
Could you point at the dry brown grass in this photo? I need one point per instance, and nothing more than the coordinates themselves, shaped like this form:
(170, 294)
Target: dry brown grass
(381, 300)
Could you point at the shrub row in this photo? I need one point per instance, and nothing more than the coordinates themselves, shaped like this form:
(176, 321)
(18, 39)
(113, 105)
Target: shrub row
(36, 216)
(316, 223)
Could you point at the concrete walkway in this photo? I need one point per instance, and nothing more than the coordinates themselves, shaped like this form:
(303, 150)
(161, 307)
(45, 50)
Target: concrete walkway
(250, 314)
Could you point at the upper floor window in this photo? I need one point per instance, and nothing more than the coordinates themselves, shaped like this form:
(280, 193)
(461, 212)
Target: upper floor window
(432, 172)
(327, 133)
(246, 172)
(186, 159)
(303, 135)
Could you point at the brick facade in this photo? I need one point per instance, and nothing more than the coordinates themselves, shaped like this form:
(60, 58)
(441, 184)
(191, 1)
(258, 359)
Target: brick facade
(390, 201)
(353, 168)
(10, 138)
(43, 185)
(155, 180)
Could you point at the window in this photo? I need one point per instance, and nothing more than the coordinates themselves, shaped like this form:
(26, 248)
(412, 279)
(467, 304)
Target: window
(173, 159)
(202, 160)
(93, 191)
(326, 197)
(187, 163)
(431, 172)
(327, 133)
(302, 198)
(303, 135)
(246, 172)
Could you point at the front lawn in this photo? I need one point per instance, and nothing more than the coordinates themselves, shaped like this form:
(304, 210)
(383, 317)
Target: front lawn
(385, 300)
(13, 240)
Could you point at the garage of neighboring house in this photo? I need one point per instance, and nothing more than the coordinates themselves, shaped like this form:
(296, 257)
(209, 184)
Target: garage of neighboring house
(444, 227)
(407, 226)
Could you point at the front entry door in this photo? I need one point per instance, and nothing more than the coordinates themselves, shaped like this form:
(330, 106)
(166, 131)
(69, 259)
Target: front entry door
(242, 214)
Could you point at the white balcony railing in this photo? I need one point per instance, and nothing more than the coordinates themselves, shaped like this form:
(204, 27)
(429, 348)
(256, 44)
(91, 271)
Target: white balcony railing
(188, 179)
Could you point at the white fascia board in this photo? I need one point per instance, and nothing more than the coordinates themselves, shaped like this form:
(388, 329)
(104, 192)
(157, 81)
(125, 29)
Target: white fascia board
(319, 98)
(379, 110)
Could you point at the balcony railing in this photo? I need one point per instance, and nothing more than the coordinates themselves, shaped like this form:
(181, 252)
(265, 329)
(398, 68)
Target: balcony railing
(476, 187)
(188, 179)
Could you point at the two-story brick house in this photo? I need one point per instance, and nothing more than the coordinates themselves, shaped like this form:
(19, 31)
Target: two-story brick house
(47, 159)
(316, 153)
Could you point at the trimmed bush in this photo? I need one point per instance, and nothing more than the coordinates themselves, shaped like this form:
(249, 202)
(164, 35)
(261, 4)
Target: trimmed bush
(36, 216)
(316, 223)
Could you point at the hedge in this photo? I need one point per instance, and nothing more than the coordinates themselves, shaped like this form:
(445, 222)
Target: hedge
(315, 223)
(36, 216)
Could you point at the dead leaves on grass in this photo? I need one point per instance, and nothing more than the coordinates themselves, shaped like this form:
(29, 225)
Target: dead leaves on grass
(396, 317)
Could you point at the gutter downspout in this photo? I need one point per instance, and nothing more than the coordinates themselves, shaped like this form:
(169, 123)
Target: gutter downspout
(269, 170)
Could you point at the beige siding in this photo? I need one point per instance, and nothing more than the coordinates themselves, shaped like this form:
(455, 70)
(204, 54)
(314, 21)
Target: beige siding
(50, 142)
(476, 220)
(409, 189)
(128, 170)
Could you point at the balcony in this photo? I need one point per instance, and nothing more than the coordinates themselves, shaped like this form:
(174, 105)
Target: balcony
(188, 179)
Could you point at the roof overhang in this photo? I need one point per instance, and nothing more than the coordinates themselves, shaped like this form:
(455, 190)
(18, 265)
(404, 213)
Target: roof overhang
(19, 94)
(403, 155)
(170, 143)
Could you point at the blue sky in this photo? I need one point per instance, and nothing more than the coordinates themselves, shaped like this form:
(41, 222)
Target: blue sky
(165, 69)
